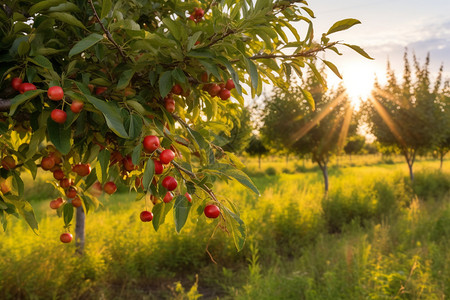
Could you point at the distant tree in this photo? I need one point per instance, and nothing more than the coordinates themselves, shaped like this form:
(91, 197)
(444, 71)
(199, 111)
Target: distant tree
(256, 148)
(402, 114)
(354, 145)
(442, 122)
(304, 130)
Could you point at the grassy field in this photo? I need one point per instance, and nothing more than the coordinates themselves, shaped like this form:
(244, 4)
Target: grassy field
(375, 236)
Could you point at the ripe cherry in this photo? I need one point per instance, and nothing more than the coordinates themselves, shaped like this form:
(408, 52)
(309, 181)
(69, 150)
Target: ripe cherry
(188, 196)
(65, 183)
(82, 169)
(177, 89)
(58, 115)
(55, 93)
(169, 104)
(211, 211)
(150, 143)
(16, 82)
(55, 204)
(66, 237)
(128, 164)
(214, 90)
(146, 216)
(116, 156)
(110, 187)
(76, 202)
(159, 168)
(71, 192)
(8, 162)
(166, 156)
(25, 87)
(229, 85)
(224, 94)
(169, 183)
(100, 90)
(58, 174)
(168, 197)
(76, 106)
(47, 163)
(204, 77)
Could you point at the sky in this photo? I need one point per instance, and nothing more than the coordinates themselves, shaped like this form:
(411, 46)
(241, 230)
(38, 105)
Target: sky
(387, 28)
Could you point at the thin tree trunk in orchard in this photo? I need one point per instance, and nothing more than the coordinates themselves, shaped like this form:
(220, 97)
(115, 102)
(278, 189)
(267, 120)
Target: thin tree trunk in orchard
(259, 161)
(442, 160)
(80, 230)
(411, 173)
(287, 159)
(324, 169)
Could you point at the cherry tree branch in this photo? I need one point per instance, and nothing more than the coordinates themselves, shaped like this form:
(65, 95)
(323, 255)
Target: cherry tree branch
(108, 34)
(5, 104)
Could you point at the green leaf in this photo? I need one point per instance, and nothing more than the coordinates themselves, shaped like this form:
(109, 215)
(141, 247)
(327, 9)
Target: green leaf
(181, 211)
(308, 96)
(111, 113)
(106, 8)
(67, 18)
(59, 136)
(68, 213)
(238, 228)
(85, 43)
(42, 61)
(160, 212)
(43, 5)
(26, 211)
(20, 99)
(36, 139)
(103, 159)
(136, 154)
(70, 7)
(165, 83)
(242, 178)
(149, 171)
(173, 28)
(192, 39)
(233, 73)
(252, 70)
(342, 25)
(359, 50)
(17, 184)
(124, 79)
(333, 68)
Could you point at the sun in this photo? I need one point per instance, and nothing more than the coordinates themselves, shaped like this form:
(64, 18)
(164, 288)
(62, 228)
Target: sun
(358, 82)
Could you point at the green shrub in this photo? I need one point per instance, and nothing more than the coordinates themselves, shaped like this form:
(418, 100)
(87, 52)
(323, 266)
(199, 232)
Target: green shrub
(271, 171)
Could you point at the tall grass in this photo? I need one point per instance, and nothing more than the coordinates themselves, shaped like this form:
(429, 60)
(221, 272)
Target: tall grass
(374, 236)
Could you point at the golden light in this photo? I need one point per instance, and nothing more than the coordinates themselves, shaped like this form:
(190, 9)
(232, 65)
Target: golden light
(358, 80)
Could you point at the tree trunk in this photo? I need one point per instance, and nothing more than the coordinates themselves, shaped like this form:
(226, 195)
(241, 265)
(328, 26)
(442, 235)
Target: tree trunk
(411, 173)
(441, 154)
(259, 161)
(287, 159)
(324, 168)
(79, 230)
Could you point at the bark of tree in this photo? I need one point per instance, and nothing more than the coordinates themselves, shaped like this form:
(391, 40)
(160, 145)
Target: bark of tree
(324, 167)
(80, 230)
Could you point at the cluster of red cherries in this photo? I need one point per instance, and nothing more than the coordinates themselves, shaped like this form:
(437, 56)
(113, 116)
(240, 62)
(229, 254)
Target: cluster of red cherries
(197, 14)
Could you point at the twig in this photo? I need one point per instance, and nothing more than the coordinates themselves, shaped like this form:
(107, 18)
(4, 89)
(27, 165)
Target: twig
(214, 41)
(108, 34)
(209, 240)
(5, 104)
(307, 53)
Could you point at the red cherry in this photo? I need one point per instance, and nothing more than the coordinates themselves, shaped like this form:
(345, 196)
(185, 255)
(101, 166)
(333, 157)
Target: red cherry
(58, 174)
(188, 196)
(76, 106)
(177, 89)
(211, 211)
(116, 156)
(159, 168)
(8, 162)
(65, 183)
(16, 82)
(128, 164)
(55, 204)
(169, 104)
(76, 202)
(110, 187)
(82, 169)
(229, 85)
(168, 197)
(166, 156)
(100, 90)
(204, 77)
(58, 115)
(225, 94)
(55, 93)
(66, 237)
(214, 90)
(47, 163)
(169, 183)
(150, 143)
(192, 17)
(146, 216)
(197, 43)
(71, 192)
(25, 87)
